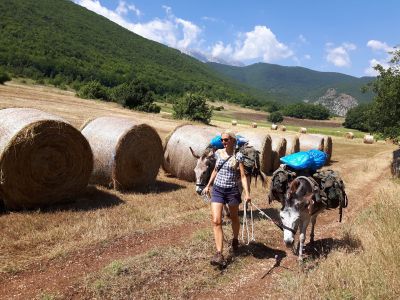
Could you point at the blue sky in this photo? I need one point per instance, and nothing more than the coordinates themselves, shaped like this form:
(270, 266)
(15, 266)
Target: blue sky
(333, 36)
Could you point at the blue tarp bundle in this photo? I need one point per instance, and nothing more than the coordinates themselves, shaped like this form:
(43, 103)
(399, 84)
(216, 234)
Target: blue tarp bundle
(311, 159)
(217, 143)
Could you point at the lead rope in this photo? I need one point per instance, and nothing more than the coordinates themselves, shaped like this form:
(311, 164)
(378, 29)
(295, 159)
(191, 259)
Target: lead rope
(245, 224)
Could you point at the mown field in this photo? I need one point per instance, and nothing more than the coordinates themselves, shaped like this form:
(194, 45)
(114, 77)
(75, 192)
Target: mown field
(157, 242)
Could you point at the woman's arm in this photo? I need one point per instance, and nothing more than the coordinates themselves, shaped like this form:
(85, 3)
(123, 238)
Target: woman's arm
(210, 182)
(245, 183)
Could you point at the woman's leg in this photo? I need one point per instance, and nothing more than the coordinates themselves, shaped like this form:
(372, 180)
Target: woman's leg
(216, 220)
(234, 210)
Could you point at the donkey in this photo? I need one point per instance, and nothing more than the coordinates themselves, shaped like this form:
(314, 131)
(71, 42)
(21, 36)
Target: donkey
(204, 167)
(299, 209)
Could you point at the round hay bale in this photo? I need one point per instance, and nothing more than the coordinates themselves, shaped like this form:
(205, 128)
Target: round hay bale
(282, 128)
(292, 144)
(303, 130)
(178, 160)
(274, 127)
(328, 145)
(234, 122)
(349, 135)
(279, 144)
(254, 125)
(263, 143)
(43, 159)
(127, 154)
(308, 142)
(368, 139)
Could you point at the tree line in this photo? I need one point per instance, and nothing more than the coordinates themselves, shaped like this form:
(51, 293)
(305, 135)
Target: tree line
(382, 115)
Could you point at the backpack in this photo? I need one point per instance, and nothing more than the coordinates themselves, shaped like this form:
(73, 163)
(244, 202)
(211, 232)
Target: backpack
(279, 183)
(332, 189)
(251, 161)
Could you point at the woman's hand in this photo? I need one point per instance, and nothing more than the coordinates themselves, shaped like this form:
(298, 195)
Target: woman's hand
(247, 198)
(206, 190)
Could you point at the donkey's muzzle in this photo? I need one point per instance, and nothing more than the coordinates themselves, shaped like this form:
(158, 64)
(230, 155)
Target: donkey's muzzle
(199, 190)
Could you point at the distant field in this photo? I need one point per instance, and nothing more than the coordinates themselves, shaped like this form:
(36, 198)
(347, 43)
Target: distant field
(245, 116)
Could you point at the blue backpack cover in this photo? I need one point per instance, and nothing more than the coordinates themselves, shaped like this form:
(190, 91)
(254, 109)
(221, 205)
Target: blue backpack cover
(217, 143)
(311, 159)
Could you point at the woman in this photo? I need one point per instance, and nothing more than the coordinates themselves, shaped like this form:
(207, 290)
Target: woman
(225, 180)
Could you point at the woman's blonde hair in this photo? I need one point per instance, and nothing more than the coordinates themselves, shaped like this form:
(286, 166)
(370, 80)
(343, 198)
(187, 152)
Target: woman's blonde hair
(230, 133)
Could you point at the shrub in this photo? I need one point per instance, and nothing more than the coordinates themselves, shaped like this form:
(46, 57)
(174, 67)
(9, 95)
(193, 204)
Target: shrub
(93, 90)
(135, 95)
(192, 107)
(4, 77)
(275, 117)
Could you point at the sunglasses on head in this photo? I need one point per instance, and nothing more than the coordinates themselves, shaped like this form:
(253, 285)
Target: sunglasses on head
(225, 140)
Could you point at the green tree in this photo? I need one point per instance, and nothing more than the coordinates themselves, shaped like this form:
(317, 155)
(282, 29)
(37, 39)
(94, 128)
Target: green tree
(275, 117)
(306, 111)
(192, 107)
(385, 111)
(357, 117)
(4, 77)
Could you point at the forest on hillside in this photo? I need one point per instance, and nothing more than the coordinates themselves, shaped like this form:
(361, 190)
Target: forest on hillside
(61, 43)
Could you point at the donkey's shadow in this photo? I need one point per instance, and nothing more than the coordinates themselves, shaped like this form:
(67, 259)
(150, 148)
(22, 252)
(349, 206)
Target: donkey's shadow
(323, 247)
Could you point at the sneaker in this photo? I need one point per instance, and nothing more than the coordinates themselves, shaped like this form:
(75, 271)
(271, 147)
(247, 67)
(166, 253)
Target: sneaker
(218, 260)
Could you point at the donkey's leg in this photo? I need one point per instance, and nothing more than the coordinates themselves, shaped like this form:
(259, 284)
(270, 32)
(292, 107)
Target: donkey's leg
(313, 221)
(303, 229)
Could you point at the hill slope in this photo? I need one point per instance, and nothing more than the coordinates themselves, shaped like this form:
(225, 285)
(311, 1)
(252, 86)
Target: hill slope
(293, 84)
(69, 44)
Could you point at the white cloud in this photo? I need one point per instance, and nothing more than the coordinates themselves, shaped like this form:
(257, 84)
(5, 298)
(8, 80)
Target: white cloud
(124, 8)
(172, 31)
(261, 43)
(339, 56)
(307, 56)
(370, 71)
(379, 46)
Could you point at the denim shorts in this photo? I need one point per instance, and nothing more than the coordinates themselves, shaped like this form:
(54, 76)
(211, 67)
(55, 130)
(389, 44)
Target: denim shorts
(230, 196)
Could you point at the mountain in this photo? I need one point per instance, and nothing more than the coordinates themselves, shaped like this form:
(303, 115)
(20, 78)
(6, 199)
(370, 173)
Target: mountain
(338, 104)
(63, 43)
(294, 84)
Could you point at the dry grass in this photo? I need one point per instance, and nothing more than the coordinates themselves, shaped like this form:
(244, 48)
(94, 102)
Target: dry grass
(371, 272)
(99, 216)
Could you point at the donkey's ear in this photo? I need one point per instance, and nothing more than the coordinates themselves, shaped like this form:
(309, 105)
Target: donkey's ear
(195, 155)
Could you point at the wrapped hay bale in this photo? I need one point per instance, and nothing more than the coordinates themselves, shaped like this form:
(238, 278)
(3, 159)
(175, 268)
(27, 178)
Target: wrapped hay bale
(303, 130)
(349, 135)
(368, 139)
(43, 159)
(254, 125)
(278, 150)
(283, 128)
(234, 122)
(328, 145)
(178, 159)
(274, 127)
(308, 142)
(263, 143)
(126, 154)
